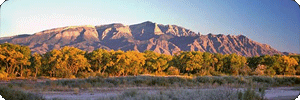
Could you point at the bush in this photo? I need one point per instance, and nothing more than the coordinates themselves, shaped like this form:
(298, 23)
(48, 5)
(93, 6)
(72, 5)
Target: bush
(83, 75)
(173, 71)
(287, 80)
(130, 93)
(230, 79)
(95, 80)
(76, 91)
(159, 81)
(219, 80)
(248, 94)
(241, 80)
(170, 81)
(204, 79)
(11, 94)
(113, 81)
(263, 79)
(185, 94)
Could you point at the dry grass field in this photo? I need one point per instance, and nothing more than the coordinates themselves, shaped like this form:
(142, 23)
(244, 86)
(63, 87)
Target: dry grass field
(155, 87)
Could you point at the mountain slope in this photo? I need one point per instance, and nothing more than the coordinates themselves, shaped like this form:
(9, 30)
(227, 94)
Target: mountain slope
(167, 39)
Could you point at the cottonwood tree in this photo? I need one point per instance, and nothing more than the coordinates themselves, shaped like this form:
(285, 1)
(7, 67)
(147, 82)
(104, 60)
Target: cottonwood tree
(134, 61)
(36, 63)
(100, 59)
(14, 58)
(66, 62)
(75, 59)
(53, 64)
(188, 62)
(156, 63)
(119, 63)
(288, 64)
(208, 63)
(233, 63)
(219, 62)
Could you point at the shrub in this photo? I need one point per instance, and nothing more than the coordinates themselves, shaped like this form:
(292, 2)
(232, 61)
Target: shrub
(185, 94)
(248, 94)
(83, 75)
(263, 79)
(241, 80)
(173, 71)
(230, 79)
(113, 81)
(159, 81)
(11, 94)
(287, 80)
(76, 91)
(270, 72)
(94, 80)
(219, 80)
(130, 93)
(173, 80)
(204, 79)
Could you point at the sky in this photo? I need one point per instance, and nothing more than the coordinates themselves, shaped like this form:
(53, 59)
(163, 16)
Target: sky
(273, 22)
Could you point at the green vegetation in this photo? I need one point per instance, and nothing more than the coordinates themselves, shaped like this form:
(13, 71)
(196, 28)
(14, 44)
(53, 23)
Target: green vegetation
(252, 87)
(106, 69)
(156, 81)
(70, 62)
(187, 94)
(12, 94)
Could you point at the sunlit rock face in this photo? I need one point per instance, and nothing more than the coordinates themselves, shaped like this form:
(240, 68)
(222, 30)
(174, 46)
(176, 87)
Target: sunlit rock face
(165, 39)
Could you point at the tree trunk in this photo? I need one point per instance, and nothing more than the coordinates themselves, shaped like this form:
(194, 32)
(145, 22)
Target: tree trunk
(21, 71)
(13, 69)
(35, 71)
(51, 74)
(7, 67)
(104, 68)
(99, 70)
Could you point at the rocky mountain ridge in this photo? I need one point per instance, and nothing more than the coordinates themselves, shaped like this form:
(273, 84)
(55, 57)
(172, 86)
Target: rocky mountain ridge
(166, 39)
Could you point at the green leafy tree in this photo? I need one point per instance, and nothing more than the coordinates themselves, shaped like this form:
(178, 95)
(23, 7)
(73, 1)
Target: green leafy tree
(100, 59)
(53, 63)
(156, 63)
(66, 62)
(36, 63)
(188, 62)
(75, 60)
(219, 62)
(14, 57)
(208, 63)
(119, 63)
(233, 63)
(297, 58)
(288, 64)
(134, 61)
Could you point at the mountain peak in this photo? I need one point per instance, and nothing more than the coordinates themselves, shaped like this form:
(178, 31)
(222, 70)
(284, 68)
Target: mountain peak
(117, 24)
(147, 22)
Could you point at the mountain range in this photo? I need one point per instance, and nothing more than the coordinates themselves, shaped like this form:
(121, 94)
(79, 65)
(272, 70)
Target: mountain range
(165, 39)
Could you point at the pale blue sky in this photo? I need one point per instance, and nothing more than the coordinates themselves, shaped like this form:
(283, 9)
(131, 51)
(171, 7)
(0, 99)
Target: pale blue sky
(273, 22)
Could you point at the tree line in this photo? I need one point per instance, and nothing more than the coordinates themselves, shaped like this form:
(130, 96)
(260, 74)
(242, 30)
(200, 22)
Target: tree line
(70, 62)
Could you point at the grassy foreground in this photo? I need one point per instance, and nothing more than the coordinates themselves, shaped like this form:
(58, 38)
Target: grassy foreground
(14, 94)
(168, 81)
(186, 94)
(254, 87)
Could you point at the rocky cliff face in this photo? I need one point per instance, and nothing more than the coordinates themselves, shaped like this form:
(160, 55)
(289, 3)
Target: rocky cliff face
(166, 39)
